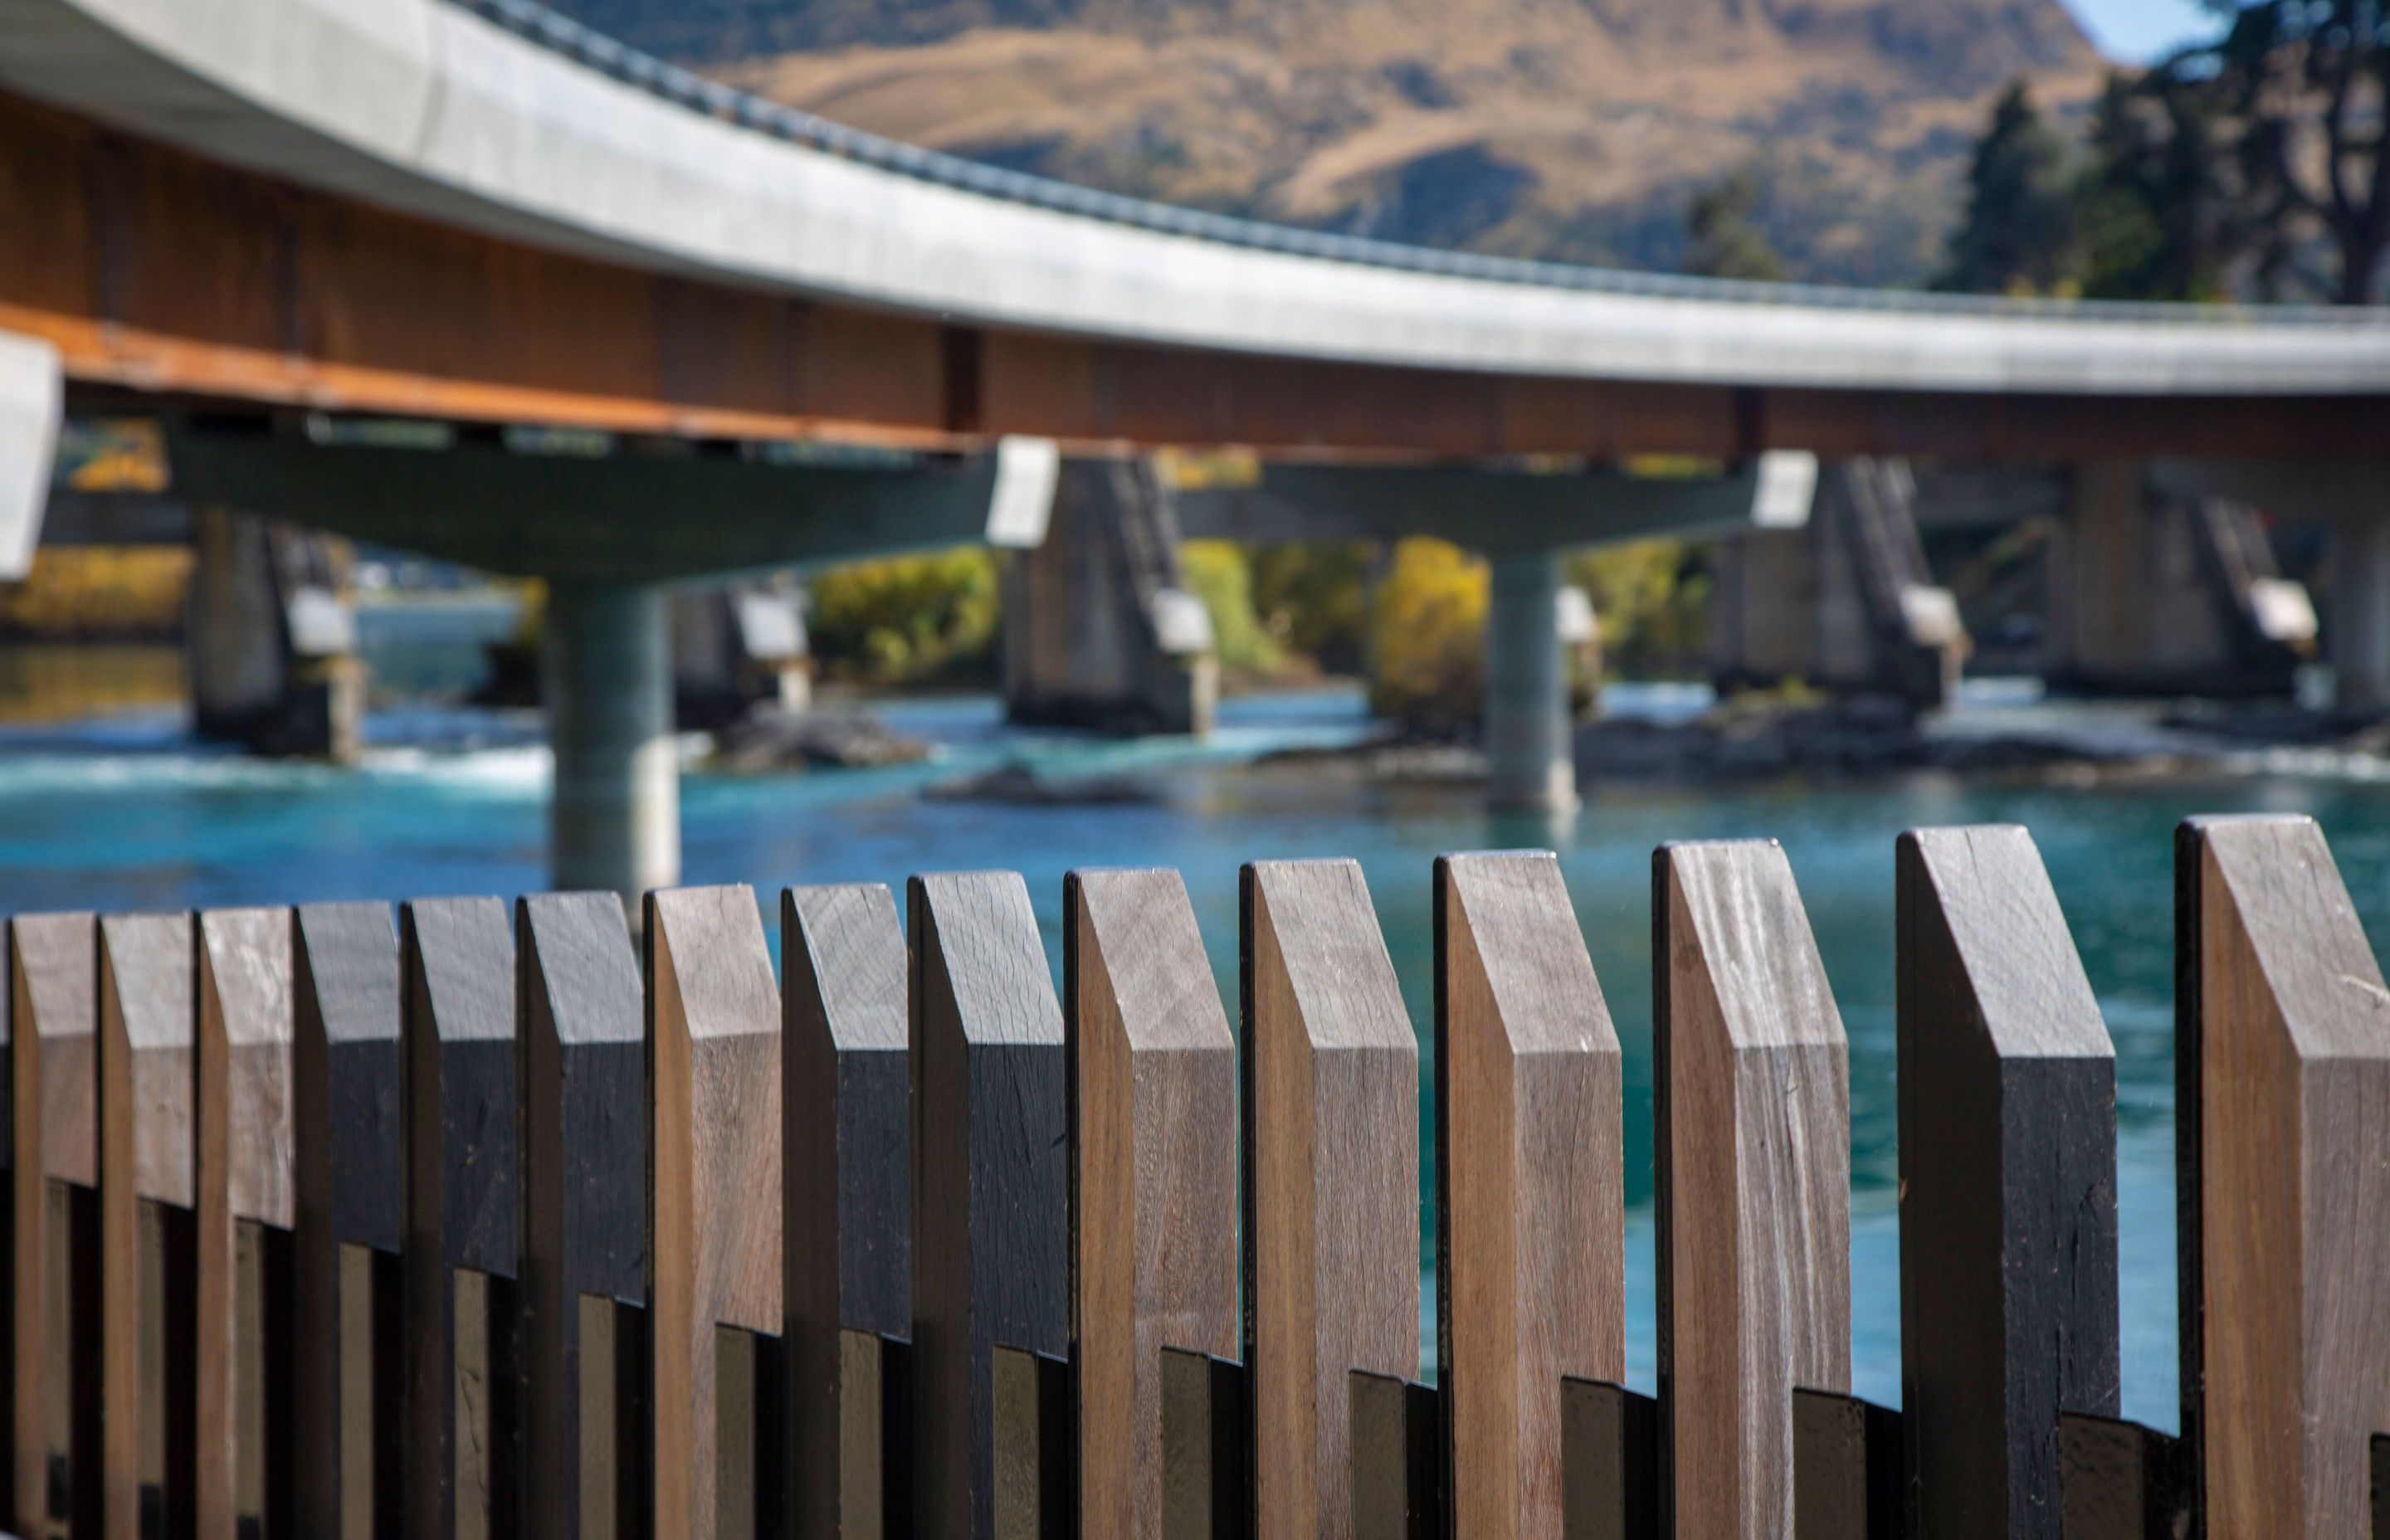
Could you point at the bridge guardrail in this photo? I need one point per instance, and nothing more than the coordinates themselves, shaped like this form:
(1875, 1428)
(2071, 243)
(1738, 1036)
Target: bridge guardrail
(481, 1217)
(594, 51)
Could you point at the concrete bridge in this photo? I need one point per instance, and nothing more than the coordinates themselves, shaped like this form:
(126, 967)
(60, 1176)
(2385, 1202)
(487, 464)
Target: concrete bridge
(271, 217)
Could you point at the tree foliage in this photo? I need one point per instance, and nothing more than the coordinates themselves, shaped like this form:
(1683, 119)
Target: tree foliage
(907, 620)
(1724, 240)
(2018, 234)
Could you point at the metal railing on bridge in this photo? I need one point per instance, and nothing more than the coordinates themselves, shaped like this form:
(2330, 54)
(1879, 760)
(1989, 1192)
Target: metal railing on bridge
(594, 51)
(483, 1223)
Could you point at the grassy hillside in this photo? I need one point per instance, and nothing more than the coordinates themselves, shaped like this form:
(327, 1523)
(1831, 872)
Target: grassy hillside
(1565, 128)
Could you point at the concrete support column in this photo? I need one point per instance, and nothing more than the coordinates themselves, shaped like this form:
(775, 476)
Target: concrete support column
(606, 677)
(2360, 612)
(1530, 761)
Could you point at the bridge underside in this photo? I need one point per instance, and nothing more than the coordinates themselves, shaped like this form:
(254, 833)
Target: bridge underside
(165, 278)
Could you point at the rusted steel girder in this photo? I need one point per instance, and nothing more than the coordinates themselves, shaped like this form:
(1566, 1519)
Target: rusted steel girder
(184, 281)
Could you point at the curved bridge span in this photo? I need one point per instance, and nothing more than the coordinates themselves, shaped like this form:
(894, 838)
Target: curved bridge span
(481, 213)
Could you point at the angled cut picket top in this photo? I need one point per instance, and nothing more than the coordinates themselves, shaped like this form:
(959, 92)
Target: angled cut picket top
(243, 1175)
(1331, 1131)
(2282, 1054)
(585, 1146)
(458, 1012)
(1530, 1178)
(714, 1200)
(53, 1092)
(2007, 1083)
(1752, 1165)
(1153, 1195)
(348, 1181)
(849, 1276)
(990, 1188)
(147, 1152)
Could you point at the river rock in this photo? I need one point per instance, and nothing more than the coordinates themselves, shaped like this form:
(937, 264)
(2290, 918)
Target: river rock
(771, 739)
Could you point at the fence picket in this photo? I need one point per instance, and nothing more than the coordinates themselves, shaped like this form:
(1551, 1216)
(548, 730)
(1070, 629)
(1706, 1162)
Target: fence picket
(1530, 1187)
(54, 1155)
(713, 1210)
(458, 1011)
(1752, 1146)
(245, 1210)
(147, 1227)
(849, 1273)
(584, 1219)
(1154, 1176)
(990, 1204)
(1332, 1223)
(2282, 1066)
(2007, 1179)
(348, 1175)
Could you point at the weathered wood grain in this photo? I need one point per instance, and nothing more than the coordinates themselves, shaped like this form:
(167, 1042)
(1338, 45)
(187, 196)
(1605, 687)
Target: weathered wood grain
(1752, 1158)
(584, 1127)
(1153, 1175)
(990, 1177)
(848, 1181)
(54, 1159)
(714, 1204)
(2008, 1185)
(348, 1181)
(146, 1150)
(2282, 1043)
(458, 957)
(1530, 1187)
(1330, 1128)
(242, 1106)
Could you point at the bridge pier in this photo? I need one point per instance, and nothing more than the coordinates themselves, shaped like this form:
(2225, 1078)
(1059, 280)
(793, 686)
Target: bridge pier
(1845, 603)
(2360, 614)
(1531, 760)
(2159, 584)
(1100, 630)
(272, 644)
(607, 684)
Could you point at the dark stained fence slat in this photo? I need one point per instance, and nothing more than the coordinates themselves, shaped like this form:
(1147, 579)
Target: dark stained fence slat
(2007, 1184)
(2282, 1043)
(1751, 1105)
(242, 1103)
(1154, 1176)
(459, 962)
(54, 1159)
(348, 1180)
(849, 1278)
(1530, 1186)
(583, 1226)
(146, 1150)
(989, 1180)
(1330, 1128)
(713, 1206)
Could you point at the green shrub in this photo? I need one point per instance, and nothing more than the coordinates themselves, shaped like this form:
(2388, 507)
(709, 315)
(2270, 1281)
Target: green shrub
(1217, 573)
(1427, 635)
(1313, 599)
(907, 620)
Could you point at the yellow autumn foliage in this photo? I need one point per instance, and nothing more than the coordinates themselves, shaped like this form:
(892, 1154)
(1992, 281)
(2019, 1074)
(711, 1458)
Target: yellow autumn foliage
(1427, 637)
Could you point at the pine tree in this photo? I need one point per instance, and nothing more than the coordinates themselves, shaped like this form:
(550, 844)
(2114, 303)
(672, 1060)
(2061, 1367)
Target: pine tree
(1725, 240)
(2019, 231)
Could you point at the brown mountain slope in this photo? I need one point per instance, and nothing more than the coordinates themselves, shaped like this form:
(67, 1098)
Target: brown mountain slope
(1564, 128)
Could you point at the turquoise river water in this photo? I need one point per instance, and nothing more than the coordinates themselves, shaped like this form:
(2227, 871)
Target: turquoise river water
(127, 812)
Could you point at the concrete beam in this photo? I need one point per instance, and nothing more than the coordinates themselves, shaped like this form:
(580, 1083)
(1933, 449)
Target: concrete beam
(1493, 509)
(622, 518)
(31, 390)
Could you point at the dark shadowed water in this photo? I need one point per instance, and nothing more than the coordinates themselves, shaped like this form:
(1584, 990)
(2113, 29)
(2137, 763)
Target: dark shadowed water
(128, 815)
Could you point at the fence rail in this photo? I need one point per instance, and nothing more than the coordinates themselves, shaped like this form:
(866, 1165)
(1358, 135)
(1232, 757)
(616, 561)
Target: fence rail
(485, 1224)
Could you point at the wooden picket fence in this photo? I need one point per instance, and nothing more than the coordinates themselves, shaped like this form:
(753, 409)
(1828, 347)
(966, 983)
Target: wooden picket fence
(489, 1225)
